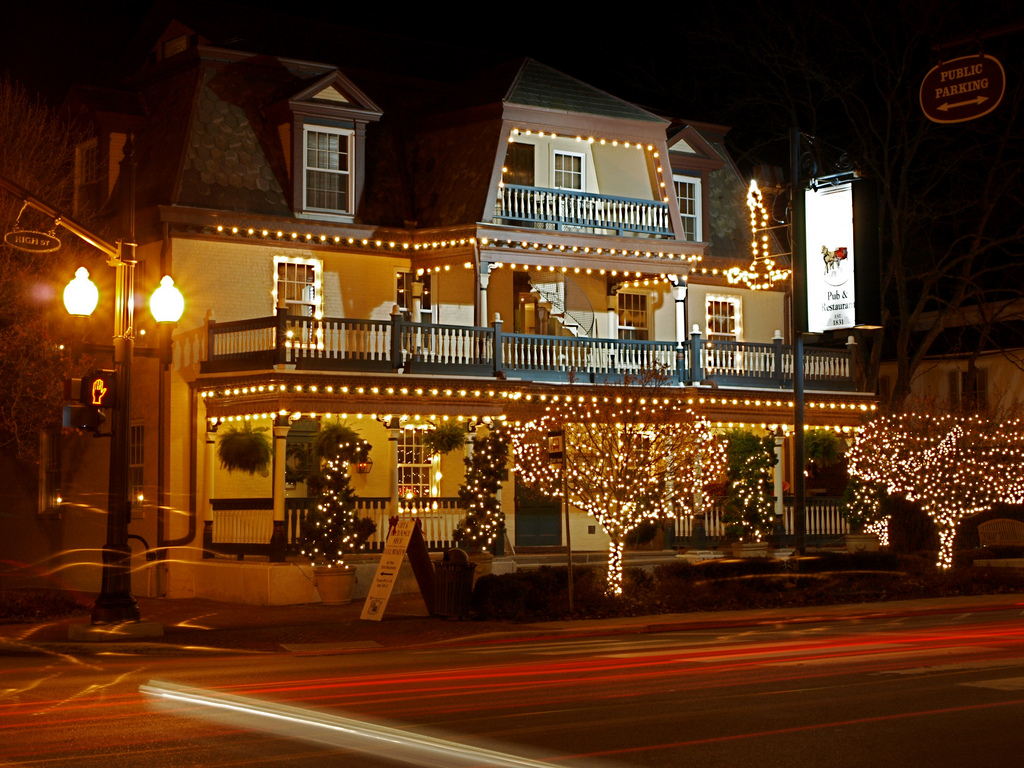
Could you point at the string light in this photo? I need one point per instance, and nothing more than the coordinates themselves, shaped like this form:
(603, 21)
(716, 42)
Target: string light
(760, 245)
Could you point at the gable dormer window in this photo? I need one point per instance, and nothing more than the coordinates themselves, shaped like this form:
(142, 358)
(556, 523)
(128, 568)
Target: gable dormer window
(328, 177)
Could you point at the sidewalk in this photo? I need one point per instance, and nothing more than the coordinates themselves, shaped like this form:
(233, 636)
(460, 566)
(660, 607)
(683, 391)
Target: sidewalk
(204, 627)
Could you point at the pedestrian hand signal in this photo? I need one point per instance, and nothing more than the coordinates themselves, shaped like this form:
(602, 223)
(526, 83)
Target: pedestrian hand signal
(99, 390)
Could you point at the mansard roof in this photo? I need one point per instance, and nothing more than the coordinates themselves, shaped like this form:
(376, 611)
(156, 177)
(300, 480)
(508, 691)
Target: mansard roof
(538, 85)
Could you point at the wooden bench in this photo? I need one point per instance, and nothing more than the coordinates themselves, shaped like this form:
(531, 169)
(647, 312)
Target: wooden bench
(1001, 532)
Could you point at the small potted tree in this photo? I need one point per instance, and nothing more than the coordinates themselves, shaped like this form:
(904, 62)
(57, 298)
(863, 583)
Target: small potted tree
(478, 496)
(331, 530)
(750, 499)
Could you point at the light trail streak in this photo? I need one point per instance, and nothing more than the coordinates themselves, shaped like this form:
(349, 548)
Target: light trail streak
(341, 732)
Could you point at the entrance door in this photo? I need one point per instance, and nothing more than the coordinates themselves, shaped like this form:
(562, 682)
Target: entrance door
(538, 519)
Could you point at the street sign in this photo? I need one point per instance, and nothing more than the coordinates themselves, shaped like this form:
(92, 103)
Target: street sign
(556, 448)
(33, 242)
(962, 89)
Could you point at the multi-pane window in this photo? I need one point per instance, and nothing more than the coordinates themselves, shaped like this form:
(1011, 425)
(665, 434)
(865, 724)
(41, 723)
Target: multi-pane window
(136, 464)
(968, 391)
(49, 471)
(297, 285)
(414, 466)
(634, 321)
(87, 187)
(328, 177)
(723, 318)
(688, 197)
(408, 288)
(568, 171)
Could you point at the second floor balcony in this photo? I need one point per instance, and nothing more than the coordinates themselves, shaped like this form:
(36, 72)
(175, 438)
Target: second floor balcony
(567, 210)
(397, 345)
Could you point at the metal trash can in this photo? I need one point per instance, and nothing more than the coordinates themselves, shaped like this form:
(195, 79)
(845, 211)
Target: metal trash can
(453, 588)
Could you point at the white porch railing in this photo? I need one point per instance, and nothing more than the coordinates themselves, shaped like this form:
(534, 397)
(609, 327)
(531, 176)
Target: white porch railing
(568, 209)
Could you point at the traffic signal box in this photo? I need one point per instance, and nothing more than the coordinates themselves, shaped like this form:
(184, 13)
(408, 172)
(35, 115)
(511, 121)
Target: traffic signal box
(96, 392)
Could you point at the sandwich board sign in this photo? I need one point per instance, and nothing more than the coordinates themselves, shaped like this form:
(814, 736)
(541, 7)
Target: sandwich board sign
(404, 537)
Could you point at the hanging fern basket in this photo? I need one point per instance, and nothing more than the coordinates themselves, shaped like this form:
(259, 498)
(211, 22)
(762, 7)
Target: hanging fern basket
(245, 449)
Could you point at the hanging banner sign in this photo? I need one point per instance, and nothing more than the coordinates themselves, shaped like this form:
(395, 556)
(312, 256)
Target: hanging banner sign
(962, 89)
(830, 259)
(33, 242)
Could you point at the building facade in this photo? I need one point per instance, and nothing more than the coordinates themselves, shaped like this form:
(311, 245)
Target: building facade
(397, 254)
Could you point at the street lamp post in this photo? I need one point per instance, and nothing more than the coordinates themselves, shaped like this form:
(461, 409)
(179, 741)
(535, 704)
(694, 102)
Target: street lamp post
(116, 604)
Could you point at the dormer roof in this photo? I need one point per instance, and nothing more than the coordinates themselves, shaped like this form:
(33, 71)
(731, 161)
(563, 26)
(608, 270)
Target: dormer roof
(330, 95)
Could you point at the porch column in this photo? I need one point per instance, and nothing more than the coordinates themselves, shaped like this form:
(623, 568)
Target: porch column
(393, 435)
(278, 539)
(613, 316)
(209, 467)
(484, 279)
(679, 294)
(780, 508)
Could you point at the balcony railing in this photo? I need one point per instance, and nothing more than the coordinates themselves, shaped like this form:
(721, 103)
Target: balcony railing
(576, 211)
(341, 344)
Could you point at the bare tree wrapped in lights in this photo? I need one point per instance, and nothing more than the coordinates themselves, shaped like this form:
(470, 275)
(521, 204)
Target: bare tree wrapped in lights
(484, 520)
(954, 466)
(628, 457)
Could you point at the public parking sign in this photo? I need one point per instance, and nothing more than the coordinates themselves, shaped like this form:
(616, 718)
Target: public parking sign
(962, 89)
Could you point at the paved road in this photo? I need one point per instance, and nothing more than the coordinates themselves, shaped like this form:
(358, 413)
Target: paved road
(938, 690)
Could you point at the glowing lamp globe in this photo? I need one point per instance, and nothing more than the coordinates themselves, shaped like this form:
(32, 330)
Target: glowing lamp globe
(81, 294)
(167, 304)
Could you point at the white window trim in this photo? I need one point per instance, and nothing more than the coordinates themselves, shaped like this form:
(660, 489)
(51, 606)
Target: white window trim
(431, 464)
(698, 229)
(318, 280)
(736, 301)
(306, 130)
(583, 169)
(648, 310)
(406, 304)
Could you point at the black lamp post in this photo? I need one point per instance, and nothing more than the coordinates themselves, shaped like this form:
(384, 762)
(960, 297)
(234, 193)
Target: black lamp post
(115, 603)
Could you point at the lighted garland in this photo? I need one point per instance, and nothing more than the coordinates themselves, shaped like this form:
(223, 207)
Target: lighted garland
(624, 462)
(761, 261)
(955, 466)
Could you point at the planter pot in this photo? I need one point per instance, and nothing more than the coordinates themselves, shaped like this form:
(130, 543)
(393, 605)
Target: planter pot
(335, 585)
(749, 549)
(861, 542)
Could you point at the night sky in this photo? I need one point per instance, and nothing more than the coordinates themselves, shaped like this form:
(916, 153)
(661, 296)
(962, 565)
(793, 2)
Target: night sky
(691, 60)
